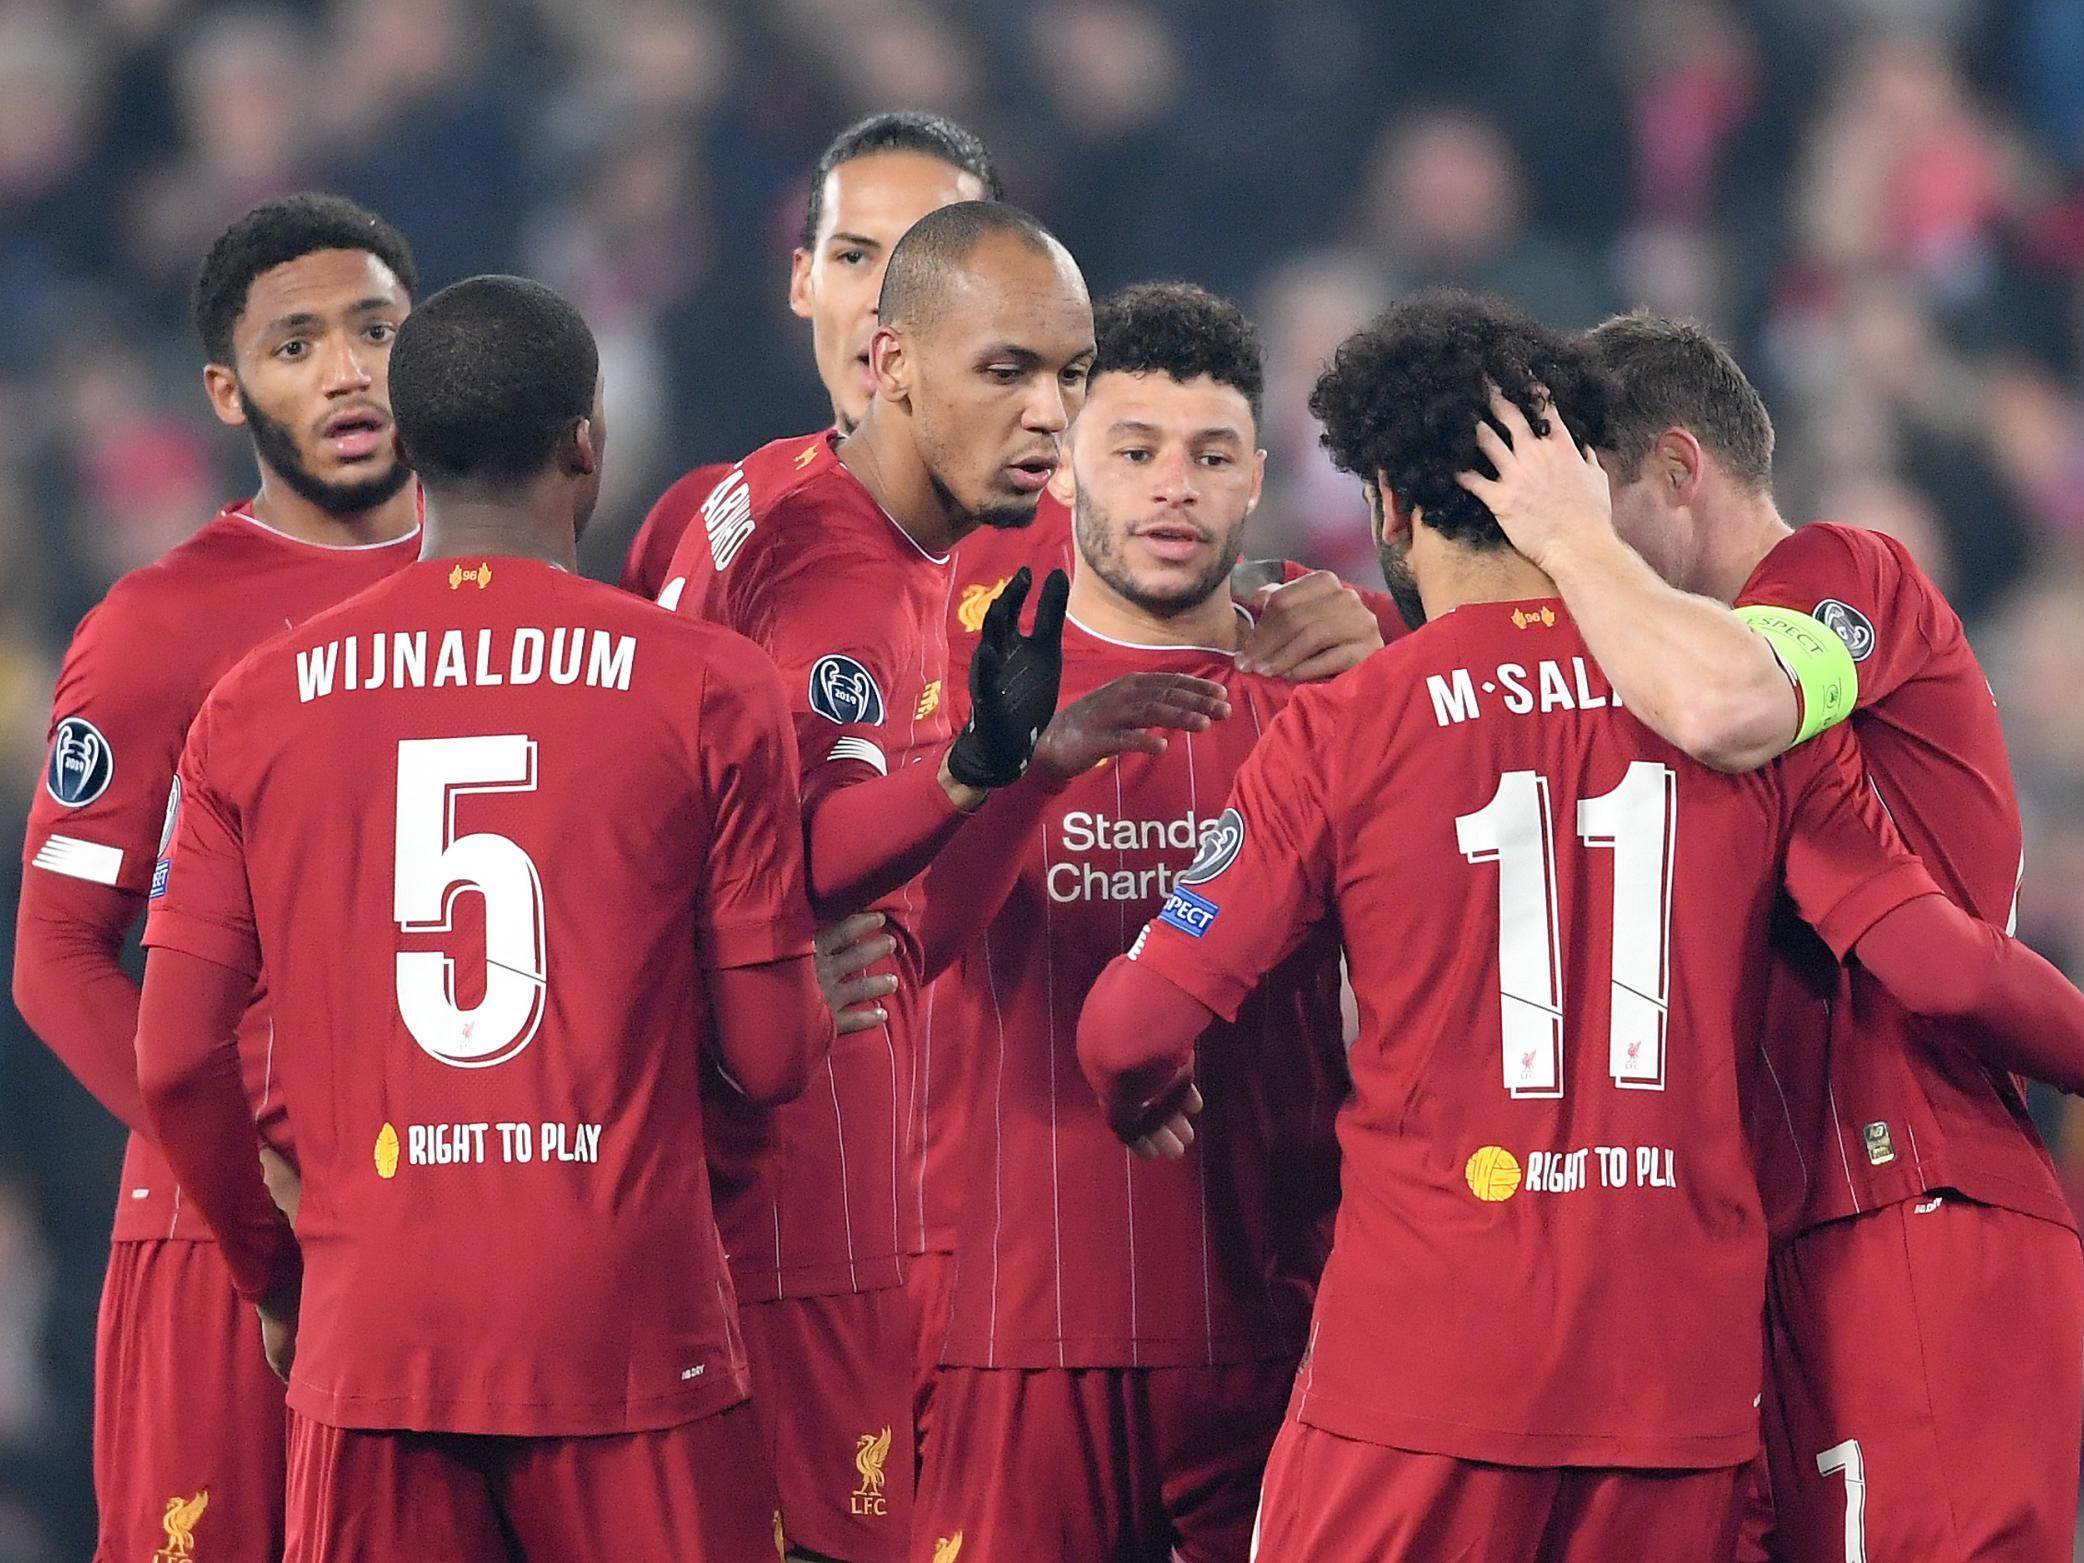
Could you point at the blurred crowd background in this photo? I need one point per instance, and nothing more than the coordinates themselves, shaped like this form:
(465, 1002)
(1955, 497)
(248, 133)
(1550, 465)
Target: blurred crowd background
(1879, 202)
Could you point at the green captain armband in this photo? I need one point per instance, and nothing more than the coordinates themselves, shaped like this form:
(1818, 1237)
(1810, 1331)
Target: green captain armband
(1815, 658)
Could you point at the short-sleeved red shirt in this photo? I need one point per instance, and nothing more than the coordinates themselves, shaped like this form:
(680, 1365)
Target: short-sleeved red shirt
(794, 554)
(136, 674)
(1070, 1251)
(487, 825)
(1550, 1248)
(1864, 1104)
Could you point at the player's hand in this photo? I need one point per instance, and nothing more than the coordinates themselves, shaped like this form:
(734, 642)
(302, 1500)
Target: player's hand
(1313, 627)
(278, 1316)
(1171, 1140)
(1124, 717)
(843, 953)
(1013, 684)
(284, 1186)
(1548, 493)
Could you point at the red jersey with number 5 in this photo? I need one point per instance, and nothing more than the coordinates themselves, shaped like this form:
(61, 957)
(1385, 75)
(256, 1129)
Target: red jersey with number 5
(487, 825)
(1550, 1248)
(1865, 1104)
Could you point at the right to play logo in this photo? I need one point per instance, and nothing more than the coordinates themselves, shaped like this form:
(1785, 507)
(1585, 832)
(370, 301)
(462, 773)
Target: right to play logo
(1492, 1173)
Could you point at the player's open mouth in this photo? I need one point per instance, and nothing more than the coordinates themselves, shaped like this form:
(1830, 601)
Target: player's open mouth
(861, 367)
(1031, 476)
(1174, 542)
(354, 436)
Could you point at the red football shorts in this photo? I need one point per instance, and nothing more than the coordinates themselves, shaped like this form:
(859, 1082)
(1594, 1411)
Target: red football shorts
(1070, 1465)
(697, 1493)
(1926, 1386)
(832, 1388)
(928, 1281)
(188, 1416)
(1335, 1500)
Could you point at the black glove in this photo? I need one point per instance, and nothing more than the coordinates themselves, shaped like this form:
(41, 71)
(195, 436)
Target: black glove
(1013, 684)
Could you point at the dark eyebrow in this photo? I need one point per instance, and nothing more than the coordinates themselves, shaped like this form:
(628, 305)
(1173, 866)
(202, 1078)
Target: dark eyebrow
(1025, 357)
(858, 241)
(1215, 431)
(304, 319)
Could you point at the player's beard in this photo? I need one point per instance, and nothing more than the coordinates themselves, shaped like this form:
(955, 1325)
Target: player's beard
(277, 449)
(1099, 546)
(1403, 585)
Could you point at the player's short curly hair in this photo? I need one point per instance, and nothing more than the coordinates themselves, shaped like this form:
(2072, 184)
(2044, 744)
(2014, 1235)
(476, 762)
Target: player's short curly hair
(1182, 330)
(487, 377)
(1403, 397)
(274, 233)
(907, 130)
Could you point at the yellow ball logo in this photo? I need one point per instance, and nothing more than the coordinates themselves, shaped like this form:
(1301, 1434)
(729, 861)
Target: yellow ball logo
(387, 1152)
(1493, 1173)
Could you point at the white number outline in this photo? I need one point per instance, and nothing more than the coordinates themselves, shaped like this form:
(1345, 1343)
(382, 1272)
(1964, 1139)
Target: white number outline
(1846, 1457)
(432, 866)
(1638, 821)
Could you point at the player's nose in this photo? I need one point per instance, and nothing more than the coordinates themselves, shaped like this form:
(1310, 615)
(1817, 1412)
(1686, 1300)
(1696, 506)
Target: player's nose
(345, 370)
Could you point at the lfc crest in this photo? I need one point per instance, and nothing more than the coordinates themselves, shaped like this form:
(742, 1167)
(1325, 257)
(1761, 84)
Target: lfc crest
(179, 1521)
(871, 1450)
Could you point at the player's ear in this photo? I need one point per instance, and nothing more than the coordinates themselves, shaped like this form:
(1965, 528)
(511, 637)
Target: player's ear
(221, 385)
(891, 363)
(799, 284)
(582, 457)
(1680, 464)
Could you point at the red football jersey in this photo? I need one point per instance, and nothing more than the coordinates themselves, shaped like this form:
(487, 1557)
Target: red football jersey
(488, 824)
(136, 674)
(649, 564)
(948, 1085)
(796, 555)
(1070, 1251)
(1550, 1248)
(1864, 1104)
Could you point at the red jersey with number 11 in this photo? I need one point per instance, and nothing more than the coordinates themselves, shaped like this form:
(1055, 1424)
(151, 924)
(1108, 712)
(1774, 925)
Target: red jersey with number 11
(1550, 1248)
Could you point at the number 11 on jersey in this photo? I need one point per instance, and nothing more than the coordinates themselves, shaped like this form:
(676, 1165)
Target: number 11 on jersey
(1638, 823)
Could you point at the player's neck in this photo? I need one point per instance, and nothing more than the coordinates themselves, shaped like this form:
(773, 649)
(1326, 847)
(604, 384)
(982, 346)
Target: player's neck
(1747, 529)
(881, 454)
(1106, 612)
(529, 525)
(1451, 576)
(282, 509)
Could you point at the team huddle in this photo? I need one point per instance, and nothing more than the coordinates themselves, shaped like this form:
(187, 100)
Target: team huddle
(834, 1048)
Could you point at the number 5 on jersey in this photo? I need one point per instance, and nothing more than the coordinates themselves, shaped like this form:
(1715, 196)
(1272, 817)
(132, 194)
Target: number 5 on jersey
(1637, 822)
(432, 866)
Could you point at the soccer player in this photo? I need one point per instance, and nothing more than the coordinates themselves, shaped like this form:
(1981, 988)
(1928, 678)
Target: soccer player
(1124, 1333)
(878, 177)
(1927, 1297)
(832, 554)
(518, 851)
(296, 304)
(1538, 1333)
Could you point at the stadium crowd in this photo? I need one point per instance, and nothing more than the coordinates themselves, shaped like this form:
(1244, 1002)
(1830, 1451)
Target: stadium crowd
(1881, 206)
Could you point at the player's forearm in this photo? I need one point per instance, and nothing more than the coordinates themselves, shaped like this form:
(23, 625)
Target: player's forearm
(72, 989)
(969, 881)
(867, 838)
(1136, 1037)
(1688, 667)
(1997, 998)
(195, 1100)
(772, 1026)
